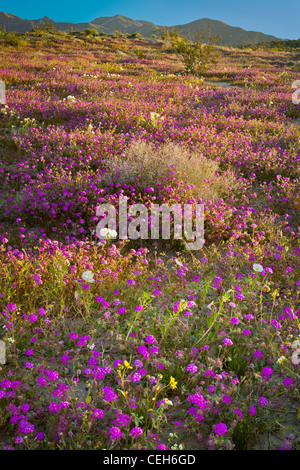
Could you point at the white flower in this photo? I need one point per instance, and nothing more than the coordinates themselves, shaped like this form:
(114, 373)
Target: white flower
(154, 115)
(281, 359)
(178, 262)
(258, 268)
(88, 276)
(108, 233)
(71, 98)
(113, 233)
(177, 447)
(103, 232)
(167, 401)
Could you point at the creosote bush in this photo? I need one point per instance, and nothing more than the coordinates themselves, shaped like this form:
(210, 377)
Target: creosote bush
(196, 55)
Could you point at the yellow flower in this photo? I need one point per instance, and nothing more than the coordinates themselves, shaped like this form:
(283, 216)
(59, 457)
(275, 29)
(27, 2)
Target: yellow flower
(126, 364)
(173, 383)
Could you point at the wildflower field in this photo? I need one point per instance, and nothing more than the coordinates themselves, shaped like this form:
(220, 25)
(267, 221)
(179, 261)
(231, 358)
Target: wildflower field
(140, 344)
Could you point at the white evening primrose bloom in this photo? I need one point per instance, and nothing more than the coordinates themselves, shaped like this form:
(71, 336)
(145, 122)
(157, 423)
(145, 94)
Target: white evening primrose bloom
(281, 359)
(108, 233)
(178, 262)
(103, 232)
(112, 233)
(258, 268)
(167, 401)
(88, 276)
(10, 340)
(71, 98)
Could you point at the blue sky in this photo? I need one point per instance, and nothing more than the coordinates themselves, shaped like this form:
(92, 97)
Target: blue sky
(276, 17)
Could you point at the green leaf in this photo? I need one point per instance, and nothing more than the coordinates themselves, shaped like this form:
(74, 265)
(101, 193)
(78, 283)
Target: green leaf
(88, 400)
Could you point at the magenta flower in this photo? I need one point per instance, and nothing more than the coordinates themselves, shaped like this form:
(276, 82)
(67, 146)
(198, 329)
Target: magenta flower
(227, 341)
(198, 400)
(37, 278)
(161, 447)
(150, 339)
(238, 413)
(24, 408)
(246, 332)
(115, 433)
(220, 429)
(73, 336)
(263, 401)
(226, 399)
(26, 427)
(138, 308)
(136, 431)
(266, 371)
(135, 377)
(29, 365)
(41, 381)
(64, 358)
(191, 368)
(258, 354)
(11, 307)
(154, 350)
(98, 413)
(110, 396)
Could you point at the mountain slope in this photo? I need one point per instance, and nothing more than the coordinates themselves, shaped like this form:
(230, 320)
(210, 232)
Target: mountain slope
(230, 35)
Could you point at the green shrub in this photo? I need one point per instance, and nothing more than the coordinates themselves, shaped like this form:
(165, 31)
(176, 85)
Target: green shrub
(11, 39)
(197, 55)
(91, 32)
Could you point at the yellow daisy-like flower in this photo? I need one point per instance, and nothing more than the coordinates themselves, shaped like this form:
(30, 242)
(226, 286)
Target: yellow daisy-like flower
(127, 365)
(173, 383)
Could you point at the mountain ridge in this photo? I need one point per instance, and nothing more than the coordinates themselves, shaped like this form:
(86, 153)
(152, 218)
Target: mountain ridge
(231, 35)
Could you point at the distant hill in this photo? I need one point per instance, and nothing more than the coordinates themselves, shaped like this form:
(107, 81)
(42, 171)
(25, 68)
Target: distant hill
(230, 35)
